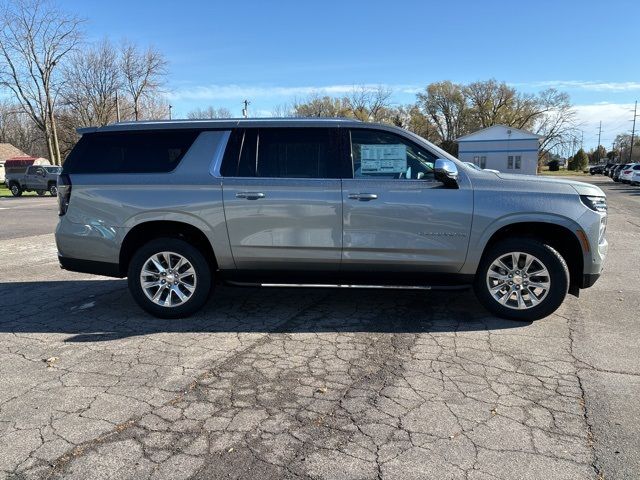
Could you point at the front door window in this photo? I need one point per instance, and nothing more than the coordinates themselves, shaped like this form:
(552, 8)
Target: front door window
(382, 155)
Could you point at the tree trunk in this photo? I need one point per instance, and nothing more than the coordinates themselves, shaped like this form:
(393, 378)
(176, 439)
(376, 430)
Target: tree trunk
(55, 143)
(47, 136)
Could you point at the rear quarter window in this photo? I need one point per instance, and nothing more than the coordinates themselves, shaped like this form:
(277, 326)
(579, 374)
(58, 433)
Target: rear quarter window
(129, 152)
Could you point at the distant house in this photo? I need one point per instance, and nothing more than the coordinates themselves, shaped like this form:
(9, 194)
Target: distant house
(8, 151)
(503, 148)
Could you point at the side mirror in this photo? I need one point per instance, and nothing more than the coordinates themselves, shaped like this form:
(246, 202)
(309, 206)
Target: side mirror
(446, 172)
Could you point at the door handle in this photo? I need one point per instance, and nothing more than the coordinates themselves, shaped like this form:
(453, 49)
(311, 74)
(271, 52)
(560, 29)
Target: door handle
(250, 195)
(363, 196)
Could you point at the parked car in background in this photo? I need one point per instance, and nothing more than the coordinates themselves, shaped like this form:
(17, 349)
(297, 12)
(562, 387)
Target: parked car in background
(617, 171)
(635, 177)
(613, 169)
(607, 168)
(594, 169)
(625, 173)
(177, 205)
(38, 178)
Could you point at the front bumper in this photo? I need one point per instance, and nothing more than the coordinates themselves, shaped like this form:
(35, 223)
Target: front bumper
(588, 279)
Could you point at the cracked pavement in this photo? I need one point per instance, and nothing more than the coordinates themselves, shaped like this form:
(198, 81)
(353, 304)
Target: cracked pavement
(294, 383)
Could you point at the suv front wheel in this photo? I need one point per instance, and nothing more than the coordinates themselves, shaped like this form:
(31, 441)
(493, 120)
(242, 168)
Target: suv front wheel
(16, 190)
(522, 279)
(169, 278)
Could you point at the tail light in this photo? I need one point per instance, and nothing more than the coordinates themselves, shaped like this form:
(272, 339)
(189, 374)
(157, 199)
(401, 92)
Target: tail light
(64, 193)
(627, 172)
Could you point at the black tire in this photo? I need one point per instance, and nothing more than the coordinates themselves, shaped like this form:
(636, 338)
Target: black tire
(16, 189)
(53, 190)
(197, 260)
(40, 192)
(552, 260)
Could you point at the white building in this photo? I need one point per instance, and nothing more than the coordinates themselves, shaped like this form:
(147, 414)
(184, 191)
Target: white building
(503, 148)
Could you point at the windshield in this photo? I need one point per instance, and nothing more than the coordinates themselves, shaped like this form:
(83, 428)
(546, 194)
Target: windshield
(53, 169)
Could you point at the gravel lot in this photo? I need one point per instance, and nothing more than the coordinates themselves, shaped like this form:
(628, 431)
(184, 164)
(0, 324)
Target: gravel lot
(275, 384)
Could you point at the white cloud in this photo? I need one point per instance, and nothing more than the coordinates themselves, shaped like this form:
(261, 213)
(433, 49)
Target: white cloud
(584, 85)
(616, 118)
(232, 91)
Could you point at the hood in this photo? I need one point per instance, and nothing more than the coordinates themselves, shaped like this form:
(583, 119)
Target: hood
(538, 182)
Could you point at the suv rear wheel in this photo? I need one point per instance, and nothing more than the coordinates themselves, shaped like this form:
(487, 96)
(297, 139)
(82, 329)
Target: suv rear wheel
(169, 278)
(522, 279)
(53, 190)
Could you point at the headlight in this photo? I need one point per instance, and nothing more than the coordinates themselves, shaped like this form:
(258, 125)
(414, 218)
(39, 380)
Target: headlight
(597, 204)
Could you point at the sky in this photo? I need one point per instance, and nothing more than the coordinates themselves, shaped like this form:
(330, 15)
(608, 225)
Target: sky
(272, 52)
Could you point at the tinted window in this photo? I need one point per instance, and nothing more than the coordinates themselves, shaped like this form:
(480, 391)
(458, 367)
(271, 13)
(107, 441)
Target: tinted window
(129, 152)
(382, 154)
(53, 169)
(283, 153)
(31, 171)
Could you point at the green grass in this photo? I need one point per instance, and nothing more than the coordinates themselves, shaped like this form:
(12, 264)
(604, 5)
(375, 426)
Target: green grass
(563, 173)
(5, 192)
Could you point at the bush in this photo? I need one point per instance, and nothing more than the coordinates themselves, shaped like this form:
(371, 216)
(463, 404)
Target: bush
(579, 161)
(554, 165)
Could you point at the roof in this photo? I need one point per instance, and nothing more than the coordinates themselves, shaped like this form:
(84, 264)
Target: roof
(224, 123)
(497, 132)
(8, 151)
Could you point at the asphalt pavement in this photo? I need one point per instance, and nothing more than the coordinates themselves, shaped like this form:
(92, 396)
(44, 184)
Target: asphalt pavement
(316, 383)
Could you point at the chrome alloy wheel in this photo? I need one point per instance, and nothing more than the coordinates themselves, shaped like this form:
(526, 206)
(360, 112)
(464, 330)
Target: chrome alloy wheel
(518, 280)
(168, 279)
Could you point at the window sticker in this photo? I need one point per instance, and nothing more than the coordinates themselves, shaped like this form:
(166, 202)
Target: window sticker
(383, 158)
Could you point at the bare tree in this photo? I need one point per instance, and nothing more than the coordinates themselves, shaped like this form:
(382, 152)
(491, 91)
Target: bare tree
(92, 80)
(283, 110)
(555, 120)
(370, 104)
(35, 39)
(445, 105)
(208, 113)
(143, 72)
(411, 118)
(19, 130)
(316, 106)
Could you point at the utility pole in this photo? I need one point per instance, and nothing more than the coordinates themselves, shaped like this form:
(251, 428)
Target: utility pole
(582, 139)
(633, 130)
(245, 110)
(598, 147)
(170, 107)
(117, 107)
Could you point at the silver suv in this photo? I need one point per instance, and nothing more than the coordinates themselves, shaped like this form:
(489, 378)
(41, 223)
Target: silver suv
(178, 206)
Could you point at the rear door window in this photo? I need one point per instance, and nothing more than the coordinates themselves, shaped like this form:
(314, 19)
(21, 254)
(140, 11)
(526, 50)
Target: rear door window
(130, 152)
(283, 153)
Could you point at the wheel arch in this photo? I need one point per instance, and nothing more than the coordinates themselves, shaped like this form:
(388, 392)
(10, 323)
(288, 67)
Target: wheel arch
(145, 232)
(560, 237)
